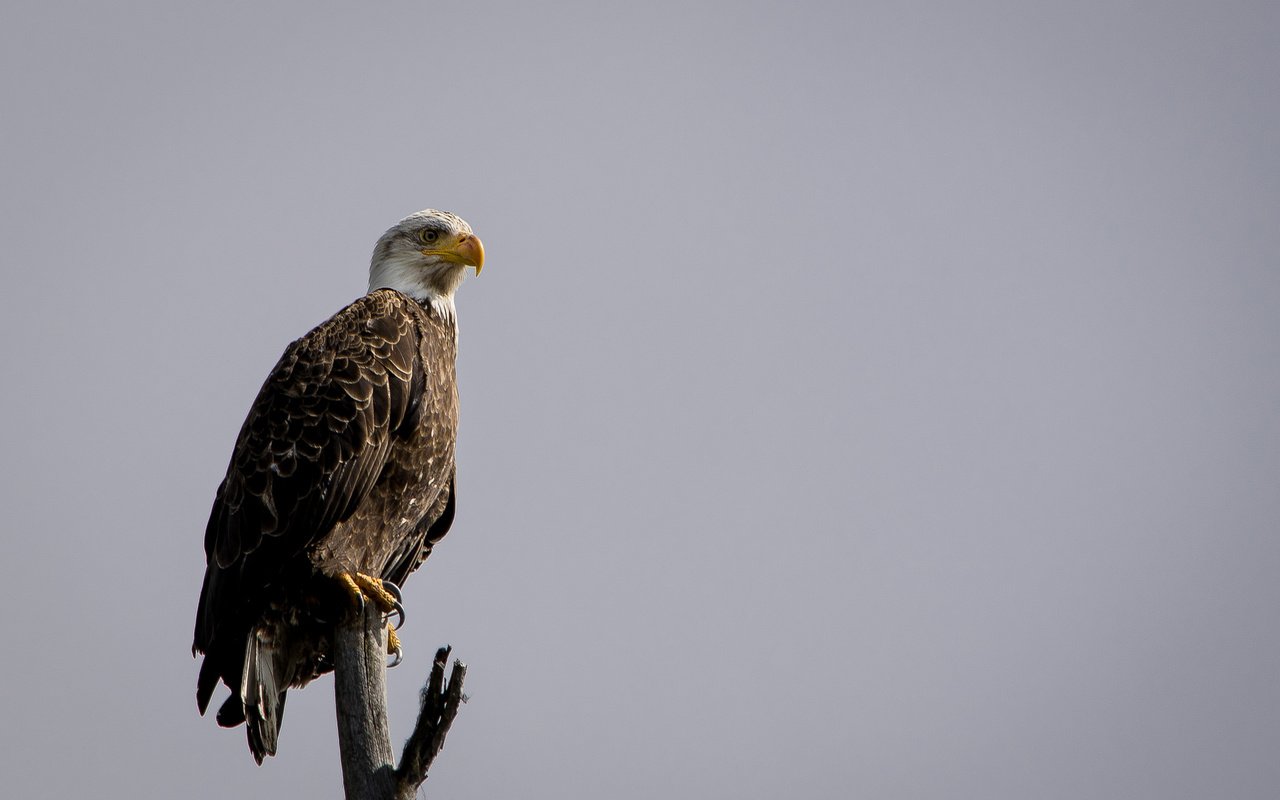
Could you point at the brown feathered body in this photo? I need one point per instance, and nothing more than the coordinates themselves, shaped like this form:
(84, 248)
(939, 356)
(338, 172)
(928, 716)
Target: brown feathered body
(345, 463)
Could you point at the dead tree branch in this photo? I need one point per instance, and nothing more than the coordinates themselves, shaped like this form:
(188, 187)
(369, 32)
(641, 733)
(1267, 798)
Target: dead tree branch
(364, 737)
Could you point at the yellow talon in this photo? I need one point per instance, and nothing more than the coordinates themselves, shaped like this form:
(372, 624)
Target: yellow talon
(362, 587)
(357, 596)
(372, 589)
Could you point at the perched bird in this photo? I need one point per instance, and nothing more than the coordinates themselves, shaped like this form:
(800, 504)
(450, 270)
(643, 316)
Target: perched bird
(341, 480)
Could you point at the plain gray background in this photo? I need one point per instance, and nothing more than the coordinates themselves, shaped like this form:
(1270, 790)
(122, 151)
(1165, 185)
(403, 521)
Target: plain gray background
(860, 400)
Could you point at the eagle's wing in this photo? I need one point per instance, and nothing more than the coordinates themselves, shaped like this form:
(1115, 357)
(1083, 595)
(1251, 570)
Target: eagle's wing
(313, 445)
(435, 524)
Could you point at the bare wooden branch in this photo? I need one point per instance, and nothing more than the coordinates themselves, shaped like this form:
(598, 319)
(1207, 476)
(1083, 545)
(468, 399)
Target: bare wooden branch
(439, 705)
(364, 737)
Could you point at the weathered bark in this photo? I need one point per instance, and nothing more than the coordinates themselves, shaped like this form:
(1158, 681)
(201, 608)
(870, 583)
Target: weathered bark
(360, 694)
(364, 737)
(439, 705)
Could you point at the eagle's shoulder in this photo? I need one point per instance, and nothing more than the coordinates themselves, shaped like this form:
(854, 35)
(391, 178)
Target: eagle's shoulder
(365, 327)
(317, 434)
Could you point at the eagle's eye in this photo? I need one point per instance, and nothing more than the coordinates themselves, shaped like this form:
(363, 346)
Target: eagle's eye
(429, 236)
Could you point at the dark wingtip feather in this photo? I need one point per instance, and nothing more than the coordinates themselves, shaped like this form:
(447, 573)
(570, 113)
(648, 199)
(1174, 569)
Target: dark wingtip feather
(205, 684)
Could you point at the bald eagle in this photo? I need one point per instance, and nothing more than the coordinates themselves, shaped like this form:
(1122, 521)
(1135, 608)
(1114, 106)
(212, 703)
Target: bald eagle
(341, 480)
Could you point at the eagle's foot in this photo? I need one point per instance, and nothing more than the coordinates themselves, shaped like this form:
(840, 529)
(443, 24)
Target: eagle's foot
(394, 591)
(384, 594)
(393, 647)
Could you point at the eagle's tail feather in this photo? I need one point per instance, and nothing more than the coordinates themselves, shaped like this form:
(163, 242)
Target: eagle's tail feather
(262, 691)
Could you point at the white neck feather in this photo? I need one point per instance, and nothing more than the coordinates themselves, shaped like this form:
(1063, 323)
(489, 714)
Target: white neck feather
(406, 275)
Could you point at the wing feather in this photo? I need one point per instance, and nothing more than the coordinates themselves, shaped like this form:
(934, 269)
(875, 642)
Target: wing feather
(313, 445)
(429, 533)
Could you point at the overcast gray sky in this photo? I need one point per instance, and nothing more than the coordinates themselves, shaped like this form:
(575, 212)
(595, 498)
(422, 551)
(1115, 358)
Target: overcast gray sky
(860, 400)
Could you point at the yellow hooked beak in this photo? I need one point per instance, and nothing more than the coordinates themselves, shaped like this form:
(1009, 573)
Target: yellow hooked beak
(468, 251)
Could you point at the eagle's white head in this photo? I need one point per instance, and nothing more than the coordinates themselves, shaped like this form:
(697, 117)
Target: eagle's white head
(424, 256)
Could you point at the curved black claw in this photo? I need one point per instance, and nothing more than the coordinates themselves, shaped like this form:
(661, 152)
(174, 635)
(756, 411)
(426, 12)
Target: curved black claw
(399, 656)
(398, 610)
(393, 589)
